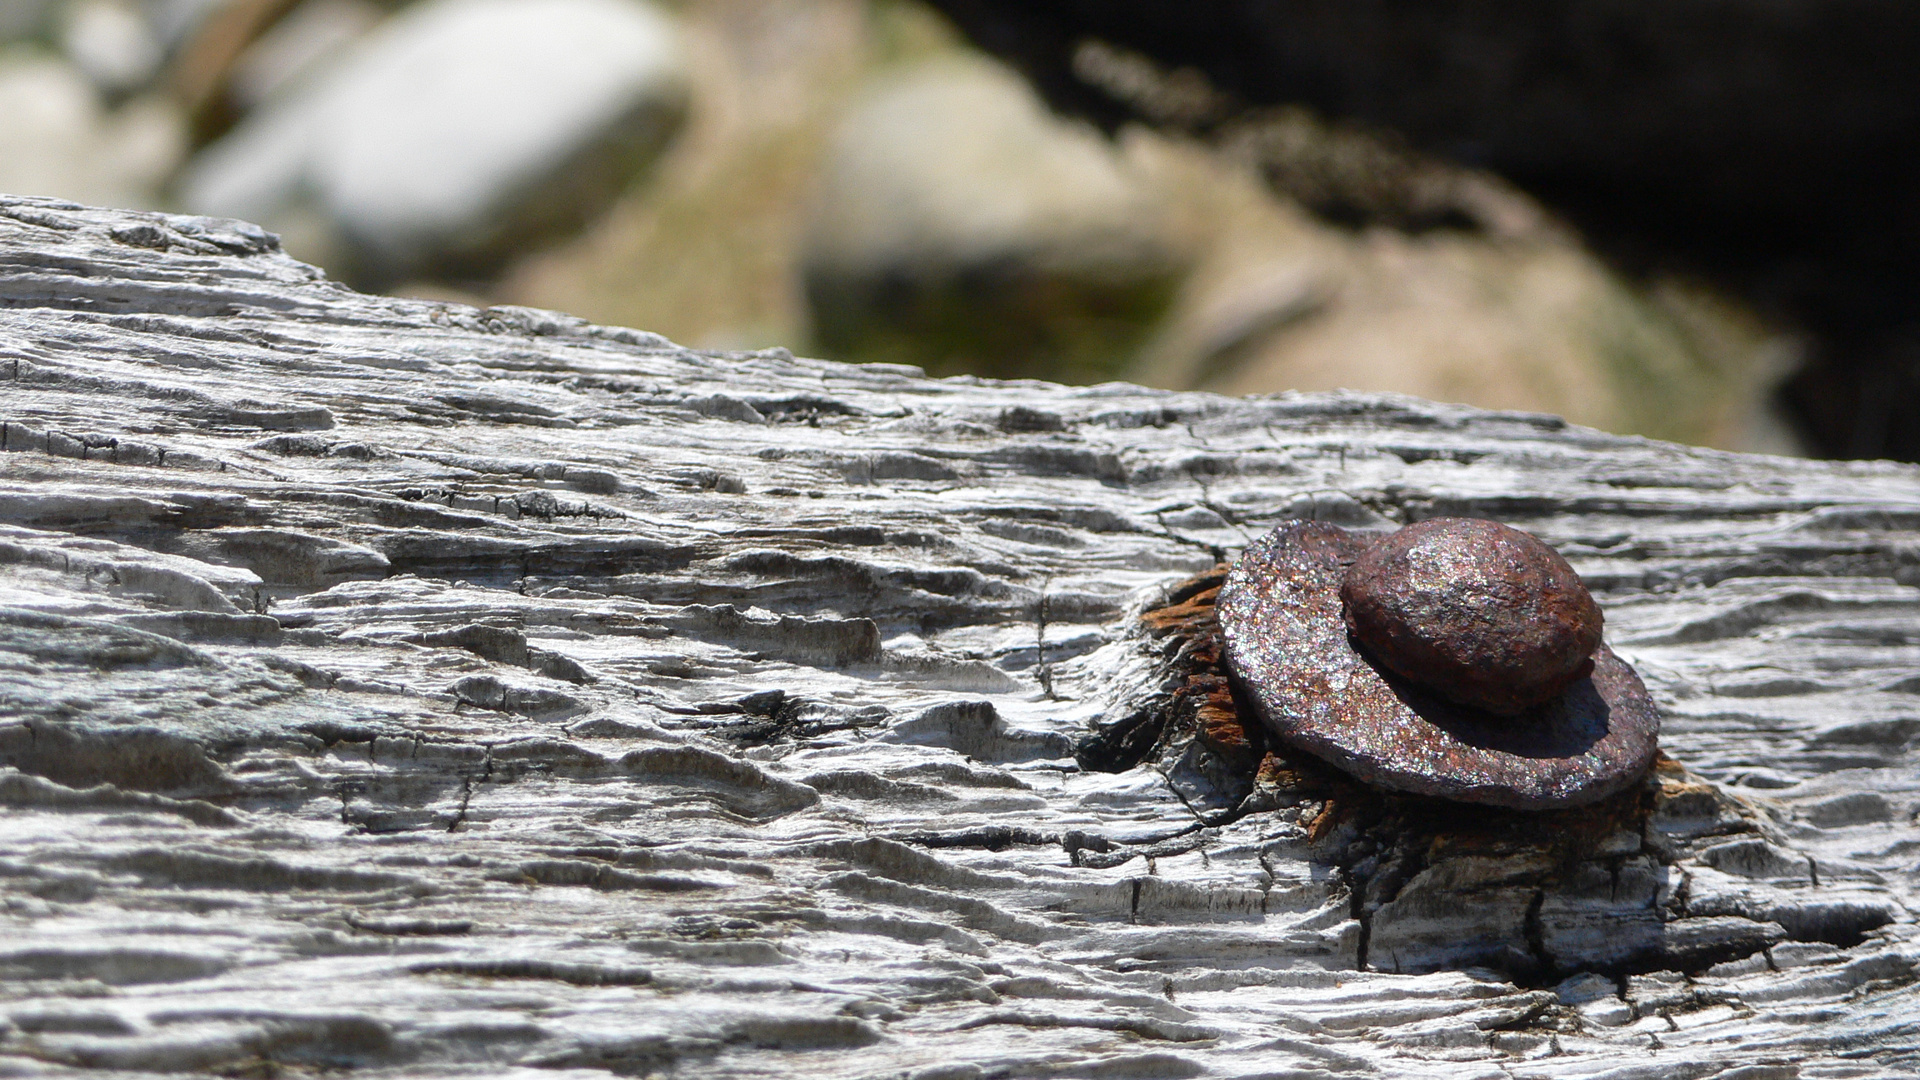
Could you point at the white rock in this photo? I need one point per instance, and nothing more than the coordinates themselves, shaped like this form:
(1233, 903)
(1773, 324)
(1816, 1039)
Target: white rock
(59, 140)
(952, 180)
(112, 42)
(458, 131)
(956, 162)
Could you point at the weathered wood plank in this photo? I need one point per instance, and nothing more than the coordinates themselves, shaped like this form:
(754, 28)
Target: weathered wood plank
(407, 687)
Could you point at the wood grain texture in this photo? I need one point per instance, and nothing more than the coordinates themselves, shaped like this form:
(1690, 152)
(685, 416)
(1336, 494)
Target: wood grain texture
(414, 689)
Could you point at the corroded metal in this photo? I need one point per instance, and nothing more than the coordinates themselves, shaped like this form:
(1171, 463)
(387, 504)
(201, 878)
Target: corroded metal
(1281, 614)
(1478, 612)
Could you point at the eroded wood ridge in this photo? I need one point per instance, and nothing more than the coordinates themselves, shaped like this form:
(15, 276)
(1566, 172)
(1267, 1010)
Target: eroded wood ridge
(409, 688)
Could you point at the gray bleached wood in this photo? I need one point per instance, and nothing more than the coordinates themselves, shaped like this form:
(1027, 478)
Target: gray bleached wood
(417, 689)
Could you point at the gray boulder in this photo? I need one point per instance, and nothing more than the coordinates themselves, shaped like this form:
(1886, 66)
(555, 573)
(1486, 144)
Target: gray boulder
(307, 40)
(454, 135)
(113, 41)
(58, 138)
(22, 18)
(962, 227)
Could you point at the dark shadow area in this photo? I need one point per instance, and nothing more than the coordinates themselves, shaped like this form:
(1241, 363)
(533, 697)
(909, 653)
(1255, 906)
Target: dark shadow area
(1767, 147)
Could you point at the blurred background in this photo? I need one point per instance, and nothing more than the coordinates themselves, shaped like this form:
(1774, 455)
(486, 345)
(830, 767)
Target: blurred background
(1693, 220)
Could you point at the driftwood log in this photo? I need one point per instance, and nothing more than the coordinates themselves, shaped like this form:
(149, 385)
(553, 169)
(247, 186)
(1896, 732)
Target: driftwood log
(407, 688)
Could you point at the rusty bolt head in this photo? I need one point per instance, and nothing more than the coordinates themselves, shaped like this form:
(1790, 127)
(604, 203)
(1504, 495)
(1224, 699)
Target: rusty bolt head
(1319, 691)
(1479, 613)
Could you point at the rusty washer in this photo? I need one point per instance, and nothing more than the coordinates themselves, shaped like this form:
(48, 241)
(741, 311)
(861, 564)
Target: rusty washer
(1505, 627)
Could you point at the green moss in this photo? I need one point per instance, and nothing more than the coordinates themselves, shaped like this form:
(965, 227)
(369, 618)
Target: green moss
(1002, 321)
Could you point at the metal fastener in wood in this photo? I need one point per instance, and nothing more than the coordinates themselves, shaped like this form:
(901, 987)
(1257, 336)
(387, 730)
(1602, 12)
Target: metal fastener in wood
(1455, 658)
